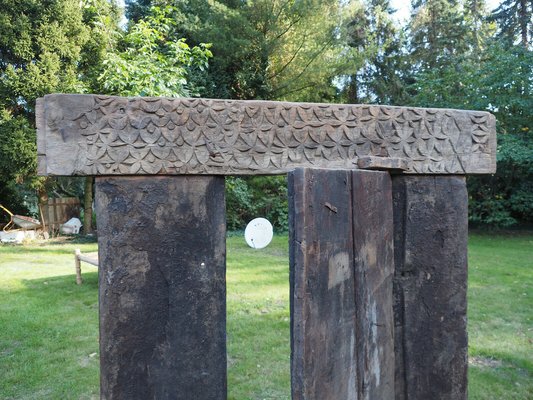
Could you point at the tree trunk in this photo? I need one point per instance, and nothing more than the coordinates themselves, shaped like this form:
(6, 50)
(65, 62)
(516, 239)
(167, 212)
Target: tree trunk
(524, 19)
(88, 206)
(352, 93)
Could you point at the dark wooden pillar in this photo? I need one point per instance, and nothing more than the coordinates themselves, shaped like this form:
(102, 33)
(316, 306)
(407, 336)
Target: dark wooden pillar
(341, 285)
(374, 270)
(430, 241)
(323, 315)
(162, 287)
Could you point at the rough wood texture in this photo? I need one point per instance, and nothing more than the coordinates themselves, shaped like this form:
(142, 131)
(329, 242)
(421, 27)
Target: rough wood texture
(101, 135)
(162, 287)
(323, 329)
(430, 244)
(341, 285)
(374, 269)
(384, 164)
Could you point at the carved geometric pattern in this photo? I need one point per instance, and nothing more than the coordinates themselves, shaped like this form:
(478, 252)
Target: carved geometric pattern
(107, 135)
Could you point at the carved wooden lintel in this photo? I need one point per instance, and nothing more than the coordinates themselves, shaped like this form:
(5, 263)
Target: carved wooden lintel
(106, 135)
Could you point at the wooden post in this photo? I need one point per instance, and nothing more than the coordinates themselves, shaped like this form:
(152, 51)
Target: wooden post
(430, 240)
(341, 285)
(77, 264)
(323, 328)
(162, 287)
(374, 269)
(88, 205)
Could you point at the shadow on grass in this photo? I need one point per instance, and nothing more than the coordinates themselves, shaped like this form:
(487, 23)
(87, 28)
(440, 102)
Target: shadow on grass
(63, 284)
(49, 343)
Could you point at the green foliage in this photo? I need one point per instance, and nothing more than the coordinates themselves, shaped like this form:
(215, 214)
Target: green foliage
(150, 62)
(17, 162)
(375, 52)
(45, 46)
(515, 18)
(258, 196)
(137, 9)
(507, 197)
(40, 45)
(12, 198)
(498, 79)
(264, 49)
(50, 46)
(17, 148)
(437, 33)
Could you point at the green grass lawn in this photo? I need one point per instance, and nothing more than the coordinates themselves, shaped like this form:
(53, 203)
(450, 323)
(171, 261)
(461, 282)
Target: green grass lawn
(49, 335)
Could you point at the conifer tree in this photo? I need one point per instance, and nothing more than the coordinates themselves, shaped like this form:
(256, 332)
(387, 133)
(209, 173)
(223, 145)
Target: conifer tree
(515, 20)
(386, 73)
(437, 33)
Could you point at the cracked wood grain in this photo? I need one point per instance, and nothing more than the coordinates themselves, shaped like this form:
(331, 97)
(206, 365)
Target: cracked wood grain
(341, 266)
(106, 135)
(430, 284)
(162, 287)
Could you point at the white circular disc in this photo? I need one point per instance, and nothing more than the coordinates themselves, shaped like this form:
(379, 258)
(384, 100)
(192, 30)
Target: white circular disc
(258, 233)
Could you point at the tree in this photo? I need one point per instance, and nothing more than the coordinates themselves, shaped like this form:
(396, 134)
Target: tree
(384, 72)
(437, 33)
(497, 80)
(137, 9)
(475, 16)
(45, 46)
(149, 62)
(355, 34)
(504, 87)
(17, 160)
(263, 49)
(515, 21)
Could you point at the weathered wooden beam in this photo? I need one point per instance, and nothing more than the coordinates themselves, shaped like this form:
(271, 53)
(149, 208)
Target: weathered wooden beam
(341, 265)
(162, 287)
(102, 135)
(430, 281)
(323, 308)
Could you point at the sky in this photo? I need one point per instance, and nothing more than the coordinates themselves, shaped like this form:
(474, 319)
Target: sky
(403, 7)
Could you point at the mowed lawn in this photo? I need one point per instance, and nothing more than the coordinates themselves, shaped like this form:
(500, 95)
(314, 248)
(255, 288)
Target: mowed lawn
(49, 325)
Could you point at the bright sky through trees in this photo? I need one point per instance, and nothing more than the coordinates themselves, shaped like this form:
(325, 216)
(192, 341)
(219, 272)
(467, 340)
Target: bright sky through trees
(403, 8)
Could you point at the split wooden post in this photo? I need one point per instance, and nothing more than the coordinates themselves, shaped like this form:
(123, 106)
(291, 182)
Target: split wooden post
(341, 266)
(162, 287)
(161, 238)
(323, 308)
(430, 281)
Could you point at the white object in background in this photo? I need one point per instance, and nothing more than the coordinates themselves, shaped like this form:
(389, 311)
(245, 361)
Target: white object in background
(72, 226)
(258, 233)
(16, 236)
